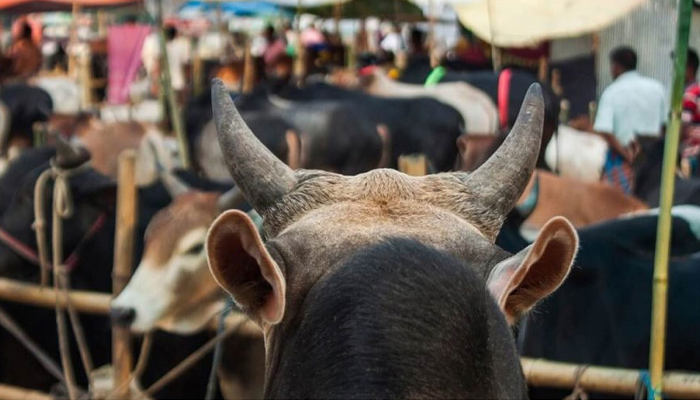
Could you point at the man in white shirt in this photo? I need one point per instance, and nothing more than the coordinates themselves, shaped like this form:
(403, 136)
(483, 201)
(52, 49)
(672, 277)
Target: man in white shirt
(179, 57)
(632, 109)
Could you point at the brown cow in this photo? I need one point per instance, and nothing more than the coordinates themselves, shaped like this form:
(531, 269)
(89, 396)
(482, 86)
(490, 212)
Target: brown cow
(383, 284)
(581, 203)
(173, 290)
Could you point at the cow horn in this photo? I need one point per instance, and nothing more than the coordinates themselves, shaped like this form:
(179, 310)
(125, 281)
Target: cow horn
(68, 156)
(230, 199)
(262, 177)
(502, 179)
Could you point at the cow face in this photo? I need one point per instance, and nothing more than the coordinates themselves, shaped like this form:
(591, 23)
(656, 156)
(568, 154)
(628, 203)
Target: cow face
(172, 288)
(314, 220)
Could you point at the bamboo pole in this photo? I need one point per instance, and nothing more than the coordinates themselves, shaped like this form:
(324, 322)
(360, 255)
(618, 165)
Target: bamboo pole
(17, 393)
(175, 116)
(127, 212)
(608, 380)
(663, 234)
(85, 302)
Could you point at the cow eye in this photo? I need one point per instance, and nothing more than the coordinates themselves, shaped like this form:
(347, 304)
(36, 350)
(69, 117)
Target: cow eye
(195, 250)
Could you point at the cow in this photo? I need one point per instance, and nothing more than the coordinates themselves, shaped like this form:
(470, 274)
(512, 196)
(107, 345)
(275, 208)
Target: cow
(418, 125)
(383, 284)
(647, 178)
(613, 276)
(476, 107)
(274, 132)
(88, 234)
(334, 136)
(577, 154)
(514, 83)
(548, 195)
(25, 105)
(173, 290)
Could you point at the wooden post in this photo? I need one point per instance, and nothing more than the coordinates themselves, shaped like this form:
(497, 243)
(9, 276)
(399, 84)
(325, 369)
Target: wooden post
(27, 293)
(248, 70)
(127, 215)
(175, 115)
(608, 380)
(663, 233)
(431, 34)
(414, 164)
(13, 392)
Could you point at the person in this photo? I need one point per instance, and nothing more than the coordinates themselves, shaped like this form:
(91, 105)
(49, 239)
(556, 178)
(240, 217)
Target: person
(179, 56)
(691, 96)
(393, 42)
(691, 116)
(25, 54)
(632, 109)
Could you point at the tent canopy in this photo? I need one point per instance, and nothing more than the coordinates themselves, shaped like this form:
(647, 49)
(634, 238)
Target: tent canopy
(519, 23)
(403, 10)
(234, 8)
(32, 6)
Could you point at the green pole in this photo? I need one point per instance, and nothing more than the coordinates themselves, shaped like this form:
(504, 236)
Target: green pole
(175, 116)
(663, 234)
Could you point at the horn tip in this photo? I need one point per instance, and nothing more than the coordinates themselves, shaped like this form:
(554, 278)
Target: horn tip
(535, 91)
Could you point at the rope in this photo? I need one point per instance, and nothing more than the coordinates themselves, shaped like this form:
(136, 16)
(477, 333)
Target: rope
(140, 365)
(15, 330)
(578, 393)
(644, 386)
(218, 350)
(62, 209)
(191, 360)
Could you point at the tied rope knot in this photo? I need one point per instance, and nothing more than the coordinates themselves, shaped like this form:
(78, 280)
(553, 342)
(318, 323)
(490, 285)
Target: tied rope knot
(62, 208)
(578, 393)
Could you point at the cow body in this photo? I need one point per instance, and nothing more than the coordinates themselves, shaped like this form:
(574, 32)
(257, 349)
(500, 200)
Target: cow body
(613, 276)
(418, 125)
(580, 202)
(357, 270)
(334, 136)
(476, 107)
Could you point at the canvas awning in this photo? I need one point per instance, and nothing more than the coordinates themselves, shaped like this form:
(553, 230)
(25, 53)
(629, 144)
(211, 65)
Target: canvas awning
(33, 6)
(518, 23)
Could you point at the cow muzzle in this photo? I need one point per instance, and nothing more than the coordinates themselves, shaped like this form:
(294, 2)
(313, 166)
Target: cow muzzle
(122, 316)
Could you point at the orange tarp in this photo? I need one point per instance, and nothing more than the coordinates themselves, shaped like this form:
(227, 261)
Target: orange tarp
(30, 6)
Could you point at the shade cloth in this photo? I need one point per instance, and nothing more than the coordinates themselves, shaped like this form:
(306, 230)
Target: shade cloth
(124, 43)
(32, 6)
(518, 23)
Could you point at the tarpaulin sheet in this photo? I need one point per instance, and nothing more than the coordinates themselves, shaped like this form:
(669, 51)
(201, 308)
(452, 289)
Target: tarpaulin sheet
(518, 23)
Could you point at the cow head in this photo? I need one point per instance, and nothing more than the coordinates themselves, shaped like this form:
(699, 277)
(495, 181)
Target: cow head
(314, 220)
(172, 288)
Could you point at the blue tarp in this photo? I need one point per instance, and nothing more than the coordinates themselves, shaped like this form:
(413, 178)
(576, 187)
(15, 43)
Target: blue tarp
(236, 8)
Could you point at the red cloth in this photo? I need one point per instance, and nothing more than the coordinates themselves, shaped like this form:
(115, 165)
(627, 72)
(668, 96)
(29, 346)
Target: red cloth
(690, 103)
(503, 97)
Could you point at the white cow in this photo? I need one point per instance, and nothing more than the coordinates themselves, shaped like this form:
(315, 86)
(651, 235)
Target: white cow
(577, 154)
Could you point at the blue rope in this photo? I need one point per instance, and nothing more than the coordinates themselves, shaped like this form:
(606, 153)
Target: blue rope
(646, 380)
(218, 351)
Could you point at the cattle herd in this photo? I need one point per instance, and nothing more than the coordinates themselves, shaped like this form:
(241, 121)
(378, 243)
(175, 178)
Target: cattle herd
(364, 282)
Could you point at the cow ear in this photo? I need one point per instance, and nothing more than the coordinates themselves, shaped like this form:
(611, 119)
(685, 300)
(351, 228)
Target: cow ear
(519, 282)
(242, 266)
